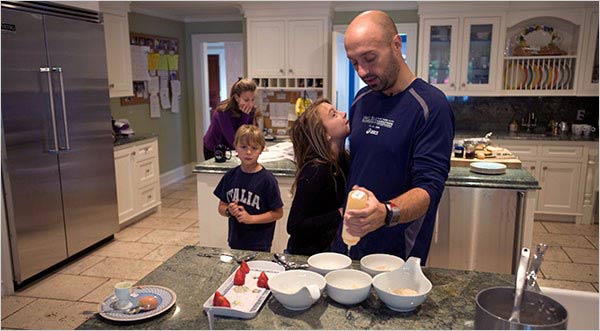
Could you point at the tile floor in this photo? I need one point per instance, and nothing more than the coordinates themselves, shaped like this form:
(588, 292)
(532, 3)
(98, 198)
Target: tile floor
(71, 295)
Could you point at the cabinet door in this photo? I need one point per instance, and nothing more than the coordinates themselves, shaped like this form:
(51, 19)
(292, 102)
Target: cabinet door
(480, 49)
(305, 47)
(126, 191)
(590, 71)
(560, 183)
(440, 53)
(118, 55)
(266, 48)
(531, 167)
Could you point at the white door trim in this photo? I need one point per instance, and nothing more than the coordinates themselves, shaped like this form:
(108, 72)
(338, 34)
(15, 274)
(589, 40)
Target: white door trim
(200, 81)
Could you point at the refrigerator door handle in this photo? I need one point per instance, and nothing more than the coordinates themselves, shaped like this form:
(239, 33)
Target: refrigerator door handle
(64, 107)
(47, 70)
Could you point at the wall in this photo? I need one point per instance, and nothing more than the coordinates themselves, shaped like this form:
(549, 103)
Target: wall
(399, 16)
(173, 129)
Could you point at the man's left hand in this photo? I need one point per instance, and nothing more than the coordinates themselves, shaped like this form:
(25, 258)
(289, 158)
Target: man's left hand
(360, 222)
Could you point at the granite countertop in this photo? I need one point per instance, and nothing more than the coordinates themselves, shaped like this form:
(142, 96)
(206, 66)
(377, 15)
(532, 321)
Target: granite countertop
(124, 140)
(517, 179)
(450, 304)
(524, 136)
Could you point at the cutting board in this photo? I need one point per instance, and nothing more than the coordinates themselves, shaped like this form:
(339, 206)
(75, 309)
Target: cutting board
(512, 163)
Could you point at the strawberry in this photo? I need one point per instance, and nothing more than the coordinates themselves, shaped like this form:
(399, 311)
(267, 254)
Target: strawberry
(245, 268)
(239, 278)
(220, 301)
(263, 280)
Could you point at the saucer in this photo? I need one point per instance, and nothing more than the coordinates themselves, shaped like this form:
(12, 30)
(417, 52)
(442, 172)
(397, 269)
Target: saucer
(115, 305)
(165, 296)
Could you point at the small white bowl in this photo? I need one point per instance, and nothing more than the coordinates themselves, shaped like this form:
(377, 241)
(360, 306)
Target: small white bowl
(348, 286)
(375, 264)
(410, 276)
(297, 289)
(326, 262)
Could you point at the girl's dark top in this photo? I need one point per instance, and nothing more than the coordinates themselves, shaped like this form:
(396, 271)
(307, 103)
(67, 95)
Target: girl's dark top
(314, 216)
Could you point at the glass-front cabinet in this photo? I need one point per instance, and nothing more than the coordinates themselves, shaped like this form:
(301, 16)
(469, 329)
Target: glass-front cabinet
(589, 81)
(460, 55)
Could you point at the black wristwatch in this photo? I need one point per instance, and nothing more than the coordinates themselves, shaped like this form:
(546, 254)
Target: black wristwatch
(392, 216)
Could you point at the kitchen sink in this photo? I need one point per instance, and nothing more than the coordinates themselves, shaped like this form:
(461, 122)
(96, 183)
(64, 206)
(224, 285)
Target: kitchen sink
(582, 307)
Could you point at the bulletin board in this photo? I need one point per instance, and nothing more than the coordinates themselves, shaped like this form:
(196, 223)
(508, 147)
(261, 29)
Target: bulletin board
(158, 46)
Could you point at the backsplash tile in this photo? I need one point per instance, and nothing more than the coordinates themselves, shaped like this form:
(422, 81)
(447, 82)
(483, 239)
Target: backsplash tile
(495, 113)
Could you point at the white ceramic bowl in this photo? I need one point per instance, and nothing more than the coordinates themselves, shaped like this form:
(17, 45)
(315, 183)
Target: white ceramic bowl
(375, 264)
(409, 276)
(348, 286)
(297, 289)
(326, 262)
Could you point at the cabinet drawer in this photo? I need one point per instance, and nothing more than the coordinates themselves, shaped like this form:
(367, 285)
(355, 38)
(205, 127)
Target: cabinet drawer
(523, 151)
(146, 151)
(146, 171)
(562, 151)
(148, 196)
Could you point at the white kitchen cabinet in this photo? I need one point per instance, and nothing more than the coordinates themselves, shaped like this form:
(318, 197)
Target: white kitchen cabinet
(460, 55)
(266, 48)
(138, 178)
(566, 171)
(118, 53)
(589, 72)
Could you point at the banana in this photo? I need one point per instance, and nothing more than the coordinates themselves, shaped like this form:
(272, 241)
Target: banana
(301, 105)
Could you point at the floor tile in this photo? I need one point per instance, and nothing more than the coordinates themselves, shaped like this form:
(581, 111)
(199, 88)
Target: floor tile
(189, 180)
(570, 271)
(191, 214)
(62, 287)
(565, 240)
(165, 223)
(80, 265)
(571, 228)
(182, 195)
(556, 253)
(167, 202)
(582, 255)
(567, 285)
(131, 233)
(163, 253)
(101, 292)
(12, 303)
(51, 314)
(113, 267)
(593, 240)
(538, 227)
(169, 212)
(168, 237)
(186, 204)
(191, 186)
(195, 228)
(125, 249)
(166, 191)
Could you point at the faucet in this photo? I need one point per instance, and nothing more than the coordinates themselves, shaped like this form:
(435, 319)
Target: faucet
(530, 123)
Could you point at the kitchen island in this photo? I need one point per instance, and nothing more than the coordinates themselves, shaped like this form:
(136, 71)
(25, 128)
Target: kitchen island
(450, 304)
(483, 220)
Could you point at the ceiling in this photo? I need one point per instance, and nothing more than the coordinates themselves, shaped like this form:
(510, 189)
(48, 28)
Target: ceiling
(206, 11)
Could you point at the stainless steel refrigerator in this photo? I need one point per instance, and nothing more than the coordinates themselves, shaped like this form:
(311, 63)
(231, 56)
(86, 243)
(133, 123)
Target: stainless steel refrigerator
(57, 154)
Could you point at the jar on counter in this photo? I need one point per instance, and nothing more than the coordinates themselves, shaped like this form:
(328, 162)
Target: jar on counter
(469, 150)
(459, 151)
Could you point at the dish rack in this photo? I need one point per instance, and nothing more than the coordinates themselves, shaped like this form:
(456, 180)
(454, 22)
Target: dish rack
(539, 73)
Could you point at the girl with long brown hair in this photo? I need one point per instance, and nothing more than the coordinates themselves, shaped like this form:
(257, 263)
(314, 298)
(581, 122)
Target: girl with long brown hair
(229, 115)
(322, 162)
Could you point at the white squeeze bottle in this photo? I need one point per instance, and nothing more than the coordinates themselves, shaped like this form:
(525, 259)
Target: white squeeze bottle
(357, 199)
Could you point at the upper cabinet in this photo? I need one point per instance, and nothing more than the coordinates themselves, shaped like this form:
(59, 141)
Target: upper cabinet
(520, 49)
(287, 49)
(460, 55)
(118, 53)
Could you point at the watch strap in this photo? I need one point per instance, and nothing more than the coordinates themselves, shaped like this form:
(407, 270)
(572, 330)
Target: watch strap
(392, 217)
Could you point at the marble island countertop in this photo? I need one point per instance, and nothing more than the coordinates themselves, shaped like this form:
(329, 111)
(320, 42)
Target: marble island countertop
(450, 304)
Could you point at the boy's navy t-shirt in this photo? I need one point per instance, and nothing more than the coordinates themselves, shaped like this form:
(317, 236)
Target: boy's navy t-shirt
(258, 193)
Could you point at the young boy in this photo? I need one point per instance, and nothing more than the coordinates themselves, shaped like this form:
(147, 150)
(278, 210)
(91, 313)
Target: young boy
(250, 195)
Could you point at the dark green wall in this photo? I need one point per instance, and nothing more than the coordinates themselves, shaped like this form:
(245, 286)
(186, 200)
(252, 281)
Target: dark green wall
(173, 129)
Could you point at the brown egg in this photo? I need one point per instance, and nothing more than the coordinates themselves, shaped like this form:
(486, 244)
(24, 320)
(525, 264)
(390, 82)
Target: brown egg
(148, 302)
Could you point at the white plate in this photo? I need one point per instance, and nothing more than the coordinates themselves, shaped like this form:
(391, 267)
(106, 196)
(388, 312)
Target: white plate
(165, 296)
(245, 300)
(488, 168)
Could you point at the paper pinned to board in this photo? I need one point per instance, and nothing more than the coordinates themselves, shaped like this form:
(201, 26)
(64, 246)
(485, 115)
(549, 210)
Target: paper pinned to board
(175, 88)
(163, 62)
(173, 61)
(175, 104)
(279, 123)
(154, 106)
(165, 101)
(153, 86)
(279, 110)
(139, 63)
(153, 61)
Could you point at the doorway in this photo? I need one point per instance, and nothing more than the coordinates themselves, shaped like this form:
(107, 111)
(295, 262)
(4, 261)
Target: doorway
(218, 62)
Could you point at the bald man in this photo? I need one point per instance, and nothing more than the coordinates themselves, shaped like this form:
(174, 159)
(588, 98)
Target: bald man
(400, 144)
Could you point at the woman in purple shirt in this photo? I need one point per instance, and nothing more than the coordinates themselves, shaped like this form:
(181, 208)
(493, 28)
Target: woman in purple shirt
(229, 115)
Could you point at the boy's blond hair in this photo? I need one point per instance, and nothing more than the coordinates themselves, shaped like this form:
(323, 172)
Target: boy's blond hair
(249, 134)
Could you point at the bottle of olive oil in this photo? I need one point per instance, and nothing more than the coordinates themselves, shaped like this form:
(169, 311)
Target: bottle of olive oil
(357, 199)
